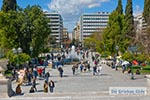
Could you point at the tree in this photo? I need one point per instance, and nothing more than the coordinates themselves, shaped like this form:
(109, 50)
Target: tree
(94, 41)
(114, 33)
(9, 29)
(129, 19)
(146, 12)
(36, 29)
(24, 28)
(17, 59)
(119, 9)
(9, 5)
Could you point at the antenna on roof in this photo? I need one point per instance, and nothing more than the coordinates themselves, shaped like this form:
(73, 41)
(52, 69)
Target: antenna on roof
(56, 9)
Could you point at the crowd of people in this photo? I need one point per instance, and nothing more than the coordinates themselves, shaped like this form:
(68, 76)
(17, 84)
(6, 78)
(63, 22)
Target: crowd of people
(28, 76)
(88, 63)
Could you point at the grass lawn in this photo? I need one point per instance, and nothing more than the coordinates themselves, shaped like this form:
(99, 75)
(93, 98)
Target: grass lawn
(144, 69)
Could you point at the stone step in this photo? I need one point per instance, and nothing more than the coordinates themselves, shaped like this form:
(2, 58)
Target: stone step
(88, 97)
(102, 93)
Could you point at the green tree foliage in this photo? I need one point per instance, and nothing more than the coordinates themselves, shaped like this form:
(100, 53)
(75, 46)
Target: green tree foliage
(129, 19)
(119, 9)
(9, 5)
(17, 59)
(94, 41)
(114, 34)
(37, 28)
(146, 12)
(8, 29)
(24, 28)
(128, 56)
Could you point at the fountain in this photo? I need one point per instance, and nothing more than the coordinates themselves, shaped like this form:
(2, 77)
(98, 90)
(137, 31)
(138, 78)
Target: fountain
(73, 54)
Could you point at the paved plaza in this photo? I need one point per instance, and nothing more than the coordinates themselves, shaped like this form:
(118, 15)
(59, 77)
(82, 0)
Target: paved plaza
(85, 86)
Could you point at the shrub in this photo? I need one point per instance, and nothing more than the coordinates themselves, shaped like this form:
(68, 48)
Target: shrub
(141, 57)
(17, 59)
(128, 56)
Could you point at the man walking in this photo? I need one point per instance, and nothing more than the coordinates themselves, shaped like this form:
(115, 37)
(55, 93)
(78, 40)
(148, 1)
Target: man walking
(73, 69)
(51, 86)
(47, 75)
(60, 71)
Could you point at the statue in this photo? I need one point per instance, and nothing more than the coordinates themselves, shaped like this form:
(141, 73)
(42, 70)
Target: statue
(5, 84)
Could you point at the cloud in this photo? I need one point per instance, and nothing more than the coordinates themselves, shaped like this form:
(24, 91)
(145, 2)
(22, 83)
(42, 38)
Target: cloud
(93, 5)
(137, 11)
(72, 9)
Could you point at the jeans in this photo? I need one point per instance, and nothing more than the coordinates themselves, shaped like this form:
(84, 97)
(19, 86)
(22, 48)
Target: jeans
(51, 89)
(47, 78)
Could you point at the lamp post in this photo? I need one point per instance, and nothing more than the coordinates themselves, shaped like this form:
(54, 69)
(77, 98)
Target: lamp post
(104, 50)
(31, 50)
(117, 48)
(17, 51)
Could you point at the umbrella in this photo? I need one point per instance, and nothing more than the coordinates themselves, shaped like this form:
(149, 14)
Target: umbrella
(125, 63)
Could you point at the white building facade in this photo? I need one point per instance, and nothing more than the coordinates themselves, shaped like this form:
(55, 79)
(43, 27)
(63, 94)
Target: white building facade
(92, 22)
(56, 25)
(140, 24)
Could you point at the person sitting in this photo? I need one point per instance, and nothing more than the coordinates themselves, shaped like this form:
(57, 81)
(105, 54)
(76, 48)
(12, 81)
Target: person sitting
(129, 71)
(46, 87)
(31, 90)
(18, 90)
(137, 72)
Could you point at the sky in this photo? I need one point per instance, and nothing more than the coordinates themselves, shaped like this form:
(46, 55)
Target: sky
(71, 10)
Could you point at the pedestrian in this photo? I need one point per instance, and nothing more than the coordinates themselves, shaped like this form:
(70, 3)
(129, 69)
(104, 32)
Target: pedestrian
(31, 90)
(35, 73)
(34, 84)
(94, 70)
(18, 89)
(29, 77)
(40, 72)
(88, 65)
(93, 58)
(51, 86)
(60, 71)
(123, 68)
(73, 69)
(43, 72)
(138, 72)
(99, 70)
(47, 75)
(81, 67)
(46, 87)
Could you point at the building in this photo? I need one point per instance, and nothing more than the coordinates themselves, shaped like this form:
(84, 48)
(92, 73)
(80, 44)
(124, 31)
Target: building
(92, 22)
(70, 36)
(76, 31)
(140, 24)
(141, 32)
(56, 25)
(65, 36)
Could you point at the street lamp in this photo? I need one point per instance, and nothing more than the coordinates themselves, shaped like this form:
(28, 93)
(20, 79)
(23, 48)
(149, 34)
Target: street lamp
(31, 49)
(117, 48)
(104, 50)
(17, 51)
